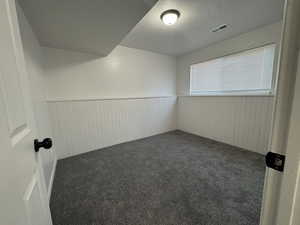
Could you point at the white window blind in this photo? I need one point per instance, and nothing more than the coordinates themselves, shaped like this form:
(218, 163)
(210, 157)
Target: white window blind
(248, 71)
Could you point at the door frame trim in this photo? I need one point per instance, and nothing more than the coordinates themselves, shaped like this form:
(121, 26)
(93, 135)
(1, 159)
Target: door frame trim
(286, 73)
(50, 186)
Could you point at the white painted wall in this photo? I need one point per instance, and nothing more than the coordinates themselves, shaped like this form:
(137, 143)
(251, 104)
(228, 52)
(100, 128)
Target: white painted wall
(229, 119)
(126, 72)
(82, 126)
(98, 102)
(33, 59)
(84, 90)
(239, 121)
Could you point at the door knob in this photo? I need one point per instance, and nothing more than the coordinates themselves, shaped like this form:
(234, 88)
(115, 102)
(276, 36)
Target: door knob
(46, 144)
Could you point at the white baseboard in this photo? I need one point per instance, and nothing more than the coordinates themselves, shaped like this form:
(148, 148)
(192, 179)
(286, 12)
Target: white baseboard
(52, 177)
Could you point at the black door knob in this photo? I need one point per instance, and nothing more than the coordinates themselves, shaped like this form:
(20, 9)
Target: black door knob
(46, 144)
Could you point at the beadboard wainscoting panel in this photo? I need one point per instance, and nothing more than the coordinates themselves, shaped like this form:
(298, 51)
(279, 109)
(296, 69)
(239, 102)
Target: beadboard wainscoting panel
(242, 121)
(80, 126)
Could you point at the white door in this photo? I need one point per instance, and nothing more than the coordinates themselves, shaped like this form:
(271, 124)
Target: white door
(34, 67)
(279, 207)
(289, 203)
(23, 198)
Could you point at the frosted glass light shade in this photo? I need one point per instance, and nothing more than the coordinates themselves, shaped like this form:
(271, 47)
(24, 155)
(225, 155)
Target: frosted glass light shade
(170, 17)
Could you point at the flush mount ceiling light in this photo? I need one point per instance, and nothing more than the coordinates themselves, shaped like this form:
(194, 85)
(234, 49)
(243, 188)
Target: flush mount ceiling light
(170, 16)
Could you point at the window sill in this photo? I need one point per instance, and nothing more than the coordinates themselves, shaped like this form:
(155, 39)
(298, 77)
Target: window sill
(231, 94)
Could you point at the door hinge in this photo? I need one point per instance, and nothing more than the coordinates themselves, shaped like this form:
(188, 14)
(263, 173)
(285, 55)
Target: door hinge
(275, 161)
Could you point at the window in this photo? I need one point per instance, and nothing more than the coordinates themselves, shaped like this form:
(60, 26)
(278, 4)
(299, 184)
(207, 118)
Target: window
(246, 72)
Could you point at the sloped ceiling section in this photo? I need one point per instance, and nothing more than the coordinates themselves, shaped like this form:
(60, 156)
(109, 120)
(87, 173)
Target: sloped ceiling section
(90, 26)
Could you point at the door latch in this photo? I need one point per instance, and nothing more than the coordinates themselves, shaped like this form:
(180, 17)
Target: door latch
(275, 161)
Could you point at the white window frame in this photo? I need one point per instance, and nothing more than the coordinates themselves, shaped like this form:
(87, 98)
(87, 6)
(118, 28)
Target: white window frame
(258, 92)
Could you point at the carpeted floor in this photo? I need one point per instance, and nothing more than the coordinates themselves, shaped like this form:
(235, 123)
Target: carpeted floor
(169, 179)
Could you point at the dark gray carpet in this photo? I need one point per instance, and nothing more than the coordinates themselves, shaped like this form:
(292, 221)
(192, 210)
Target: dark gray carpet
(173, 178)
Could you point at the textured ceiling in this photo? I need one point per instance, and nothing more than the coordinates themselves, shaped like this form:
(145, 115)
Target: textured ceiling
(92, 26)
(198, 18)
